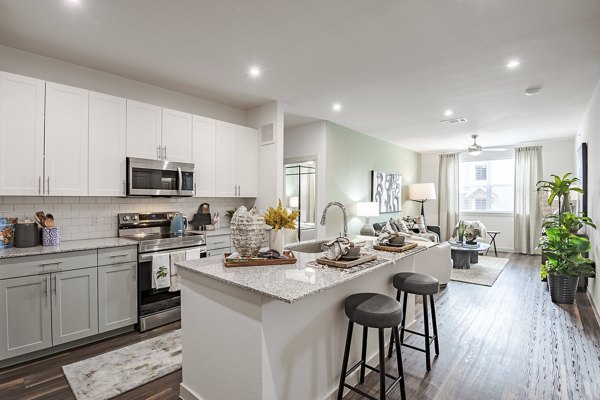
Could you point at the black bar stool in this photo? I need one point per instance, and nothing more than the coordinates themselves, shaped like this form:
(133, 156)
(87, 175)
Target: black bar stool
(372, 310)
(427, 286)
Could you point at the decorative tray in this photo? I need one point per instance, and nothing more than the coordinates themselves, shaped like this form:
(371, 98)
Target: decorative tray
(346, 264)
(289, 258)
(395, 249)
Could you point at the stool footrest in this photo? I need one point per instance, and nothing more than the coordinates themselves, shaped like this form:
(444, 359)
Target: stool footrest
(396, 379)
(431, 338)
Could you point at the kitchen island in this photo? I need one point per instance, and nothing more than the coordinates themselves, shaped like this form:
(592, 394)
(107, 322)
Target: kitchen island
(274, 332)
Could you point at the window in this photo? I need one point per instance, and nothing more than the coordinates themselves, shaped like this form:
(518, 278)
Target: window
(480, 172)
(487, 185)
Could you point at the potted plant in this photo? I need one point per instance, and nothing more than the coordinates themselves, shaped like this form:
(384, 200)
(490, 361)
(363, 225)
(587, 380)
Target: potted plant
(279, 219)
(561, 246)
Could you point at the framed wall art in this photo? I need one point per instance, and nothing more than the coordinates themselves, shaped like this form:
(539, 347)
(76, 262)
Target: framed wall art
(386, 190)
(582, 174)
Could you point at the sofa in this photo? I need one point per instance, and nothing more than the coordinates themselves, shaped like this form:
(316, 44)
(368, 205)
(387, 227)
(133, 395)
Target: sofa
(435, 261)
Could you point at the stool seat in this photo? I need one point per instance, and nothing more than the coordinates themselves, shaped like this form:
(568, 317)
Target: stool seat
(415, 283)
(373, 310)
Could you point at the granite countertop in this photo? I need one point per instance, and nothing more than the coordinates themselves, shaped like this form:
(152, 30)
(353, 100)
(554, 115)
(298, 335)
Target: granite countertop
(287, 283)
(66, 246)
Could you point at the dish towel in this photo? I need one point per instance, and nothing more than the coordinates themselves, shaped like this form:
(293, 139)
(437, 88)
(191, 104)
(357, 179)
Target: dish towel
(192, 254)
(175, 278)
(161, 271)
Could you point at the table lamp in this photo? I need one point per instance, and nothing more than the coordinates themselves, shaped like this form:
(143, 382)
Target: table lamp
(421, 192)
(367, 210)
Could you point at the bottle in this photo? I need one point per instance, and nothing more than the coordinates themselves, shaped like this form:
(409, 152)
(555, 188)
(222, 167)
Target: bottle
(461, 231)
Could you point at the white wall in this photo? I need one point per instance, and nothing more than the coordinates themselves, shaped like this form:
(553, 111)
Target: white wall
(589, 132)
(270, 156)
(36, 66)
(308, 142)
(557, 157)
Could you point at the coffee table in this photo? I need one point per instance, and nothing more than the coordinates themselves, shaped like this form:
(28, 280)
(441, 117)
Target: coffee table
(464, 256)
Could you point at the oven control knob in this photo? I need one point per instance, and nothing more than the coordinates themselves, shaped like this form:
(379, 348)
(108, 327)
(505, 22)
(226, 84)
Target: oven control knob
(134, 217)
(125, 217)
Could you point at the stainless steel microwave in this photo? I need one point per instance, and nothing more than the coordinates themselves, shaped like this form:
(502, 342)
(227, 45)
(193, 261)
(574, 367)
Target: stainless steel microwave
(159, 178)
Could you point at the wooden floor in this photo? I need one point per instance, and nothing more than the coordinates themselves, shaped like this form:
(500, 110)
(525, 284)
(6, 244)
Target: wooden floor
(505, 342)
(508, 341)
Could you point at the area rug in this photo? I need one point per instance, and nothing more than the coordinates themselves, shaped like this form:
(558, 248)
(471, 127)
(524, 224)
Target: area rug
(116, 372)
(484, 273)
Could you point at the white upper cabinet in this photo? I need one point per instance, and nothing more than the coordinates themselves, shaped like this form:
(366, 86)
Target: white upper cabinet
(144, 127)
(247, 162)
(236, 161)
(66, 140)
(203, 143)
(176, 135)
(108, 145)
(225, 153)
(21, 135)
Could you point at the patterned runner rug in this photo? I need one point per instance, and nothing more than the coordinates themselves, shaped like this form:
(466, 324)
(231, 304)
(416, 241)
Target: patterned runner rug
(484, 273)
(118, 371)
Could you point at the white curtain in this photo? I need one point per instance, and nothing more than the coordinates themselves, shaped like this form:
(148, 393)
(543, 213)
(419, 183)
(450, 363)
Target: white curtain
(528, 216)
(448, 192)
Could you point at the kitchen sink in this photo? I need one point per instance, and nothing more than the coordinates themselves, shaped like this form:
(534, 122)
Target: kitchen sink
(311, 247)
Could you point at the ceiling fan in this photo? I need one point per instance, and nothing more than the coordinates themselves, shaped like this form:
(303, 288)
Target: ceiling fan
(476, 149)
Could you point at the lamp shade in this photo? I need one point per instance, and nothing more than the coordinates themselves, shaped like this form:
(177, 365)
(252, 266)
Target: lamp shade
(367, 209)
(421, 191)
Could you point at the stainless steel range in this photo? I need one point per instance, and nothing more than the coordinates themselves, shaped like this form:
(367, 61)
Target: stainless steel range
(158, 306)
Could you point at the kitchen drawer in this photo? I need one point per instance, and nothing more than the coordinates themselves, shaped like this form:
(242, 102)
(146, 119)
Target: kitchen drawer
(47, 263)
(217, 242)
(217, 252)
(117, 255)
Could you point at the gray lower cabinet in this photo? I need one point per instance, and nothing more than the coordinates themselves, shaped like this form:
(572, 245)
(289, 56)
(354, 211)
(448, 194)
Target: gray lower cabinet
(53, 299)
(25, 317)
(117, 296)
(218, 245)
(74, 304)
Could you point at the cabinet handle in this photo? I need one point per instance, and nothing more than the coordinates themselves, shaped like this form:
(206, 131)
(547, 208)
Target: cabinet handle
(194, 188)
(165, 153)
(54, 289)
(39, 185)
(124, 188)
(134, 274)
(48, 185)
(158, 152)
(45, 281)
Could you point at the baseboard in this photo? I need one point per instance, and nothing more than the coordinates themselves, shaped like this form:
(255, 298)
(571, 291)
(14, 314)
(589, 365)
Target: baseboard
(187, 394)
(594, 306)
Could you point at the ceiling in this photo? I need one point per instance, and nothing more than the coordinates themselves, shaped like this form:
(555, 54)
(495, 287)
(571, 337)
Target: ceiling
(395, 66)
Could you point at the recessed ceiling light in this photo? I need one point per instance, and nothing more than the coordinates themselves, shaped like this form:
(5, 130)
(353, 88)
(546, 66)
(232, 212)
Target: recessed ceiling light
(337, 107)
(448, 113)
(513, 64)
(254, 72)
(73, 1)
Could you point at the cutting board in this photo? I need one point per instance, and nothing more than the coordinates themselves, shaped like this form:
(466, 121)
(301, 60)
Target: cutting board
(346, 264)
(394, 249)
(258, 262)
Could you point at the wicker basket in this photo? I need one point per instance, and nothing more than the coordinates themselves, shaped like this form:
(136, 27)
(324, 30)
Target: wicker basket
(562, 288)
(247, 232)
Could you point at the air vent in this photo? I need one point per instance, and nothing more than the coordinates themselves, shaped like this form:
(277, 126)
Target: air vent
(454, 121)
(266, 134)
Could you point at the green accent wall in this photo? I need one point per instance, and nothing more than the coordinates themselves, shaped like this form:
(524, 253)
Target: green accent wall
(351, 156)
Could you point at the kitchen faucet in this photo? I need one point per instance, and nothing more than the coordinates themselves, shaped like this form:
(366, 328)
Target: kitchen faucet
(340, 205)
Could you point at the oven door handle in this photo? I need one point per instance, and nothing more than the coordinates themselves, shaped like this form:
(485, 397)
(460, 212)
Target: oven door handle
(179, 180)
(147, 257)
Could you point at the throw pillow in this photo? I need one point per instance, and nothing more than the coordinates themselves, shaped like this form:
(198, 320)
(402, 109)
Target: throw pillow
(402, 227)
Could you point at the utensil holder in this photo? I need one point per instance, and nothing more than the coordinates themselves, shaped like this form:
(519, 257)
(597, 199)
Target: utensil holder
(51, 236)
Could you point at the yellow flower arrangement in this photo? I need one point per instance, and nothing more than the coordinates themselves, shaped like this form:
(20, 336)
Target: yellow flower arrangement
(280, 218)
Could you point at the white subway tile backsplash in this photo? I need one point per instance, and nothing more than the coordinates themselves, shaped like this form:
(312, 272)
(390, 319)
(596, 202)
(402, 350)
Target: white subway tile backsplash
(75, 214)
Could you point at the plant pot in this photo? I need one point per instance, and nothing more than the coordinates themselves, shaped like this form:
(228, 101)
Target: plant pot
(562, 288)
(277, 240)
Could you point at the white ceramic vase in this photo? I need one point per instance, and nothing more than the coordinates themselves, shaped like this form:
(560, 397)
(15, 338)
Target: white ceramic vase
(277, 240)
